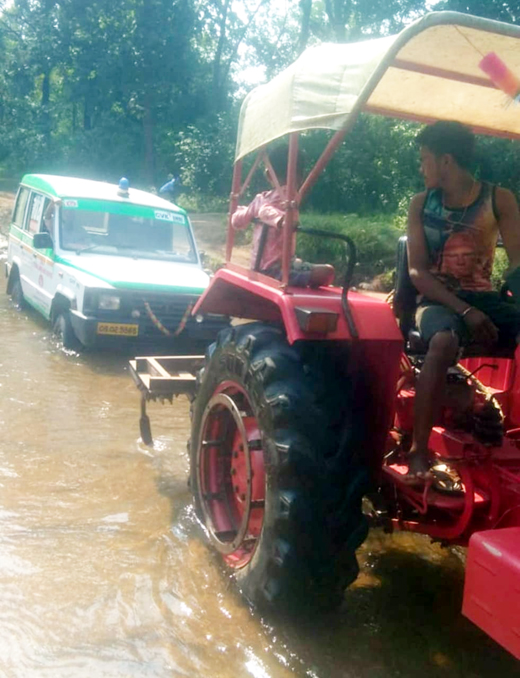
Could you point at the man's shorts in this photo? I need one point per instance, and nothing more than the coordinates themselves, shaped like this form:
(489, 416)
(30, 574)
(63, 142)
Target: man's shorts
(432, 317)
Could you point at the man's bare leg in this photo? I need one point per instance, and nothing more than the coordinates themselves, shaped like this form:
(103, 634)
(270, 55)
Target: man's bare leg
(429, 393)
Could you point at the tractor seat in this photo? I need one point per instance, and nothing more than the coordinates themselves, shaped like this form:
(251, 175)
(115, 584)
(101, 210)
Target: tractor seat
(416, 344)
(417, 347)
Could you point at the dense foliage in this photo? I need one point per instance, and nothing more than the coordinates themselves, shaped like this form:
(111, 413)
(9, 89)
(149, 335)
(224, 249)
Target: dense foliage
(145, 88)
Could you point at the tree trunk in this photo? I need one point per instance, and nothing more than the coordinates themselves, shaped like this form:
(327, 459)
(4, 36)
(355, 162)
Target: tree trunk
(337, 12)
(217, 62)
(149, 155)
(44, 105)
(46, 89)
(305, 26)
(87, 123)
(87, 107)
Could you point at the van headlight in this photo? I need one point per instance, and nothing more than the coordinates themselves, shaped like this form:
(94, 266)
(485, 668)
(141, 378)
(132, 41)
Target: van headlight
(109, 302)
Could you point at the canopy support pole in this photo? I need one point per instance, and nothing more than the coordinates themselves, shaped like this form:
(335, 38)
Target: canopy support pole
(324, 158)
(233, 204)
(291, 212)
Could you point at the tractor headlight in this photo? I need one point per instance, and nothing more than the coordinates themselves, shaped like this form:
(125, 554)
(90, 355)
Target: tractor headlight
(109, 302)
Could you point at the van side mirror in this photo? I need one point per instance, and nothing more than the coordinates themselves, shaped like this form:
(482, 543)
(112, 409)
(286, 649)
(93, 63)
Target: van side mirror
(42, 241)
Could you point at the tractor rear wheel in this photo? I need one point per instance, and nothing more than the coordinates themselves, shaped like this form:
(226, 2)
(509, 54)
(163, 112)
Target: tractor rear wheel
(275, 476)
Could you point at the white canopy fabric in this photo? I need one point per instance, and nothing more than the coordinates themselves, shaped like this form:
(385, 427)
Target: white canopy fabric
(430, 71)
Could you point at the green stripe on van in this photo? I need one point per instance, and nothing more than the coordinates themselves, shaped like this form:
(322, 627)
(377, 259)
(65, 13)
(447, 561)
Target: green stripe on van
(38, 184)
(20, 234)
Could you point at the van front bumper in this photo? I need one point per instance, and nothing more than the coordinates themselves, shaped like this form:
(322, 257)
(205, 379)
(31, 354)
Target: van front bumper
(124, 331)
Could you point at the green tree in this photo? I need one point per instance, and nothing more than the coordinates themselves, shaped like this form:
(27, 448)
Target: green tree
(350, 20)
(500, 10)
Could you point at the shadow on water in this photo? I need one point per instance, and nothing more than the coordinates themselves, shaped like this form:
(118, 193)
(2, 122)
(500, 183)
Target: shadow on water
(401, 618)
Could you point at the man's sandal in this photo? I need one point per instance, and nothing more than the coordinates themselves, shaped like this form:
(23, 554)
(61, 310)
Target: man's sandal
(446, 479)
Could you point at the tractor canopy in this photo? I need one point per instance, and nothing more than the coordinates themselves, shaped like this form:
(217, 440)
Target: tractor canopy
(430, 71)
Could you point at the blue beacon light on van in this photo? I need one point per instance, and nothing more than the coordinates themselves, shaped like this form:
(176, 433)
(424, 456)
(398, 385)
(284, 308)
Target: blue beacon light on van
(122, 190)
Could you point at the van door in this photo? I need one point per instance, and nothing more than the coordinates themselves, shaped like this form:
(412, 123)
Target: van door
(40, 263)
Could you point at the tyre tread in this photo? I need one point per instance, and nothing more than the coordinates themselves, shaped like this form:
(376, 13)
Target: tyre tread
(316, 523)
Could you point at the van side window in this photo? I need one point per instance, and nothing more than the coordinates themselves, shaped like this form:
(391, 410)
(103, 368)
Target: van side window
(47, 223)
(19, 210)
(35, 212)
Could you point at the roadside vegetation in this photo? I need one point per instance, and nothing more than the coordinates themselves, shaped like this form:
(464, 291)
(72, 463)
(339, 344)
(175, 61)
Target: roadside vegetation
(151, 89)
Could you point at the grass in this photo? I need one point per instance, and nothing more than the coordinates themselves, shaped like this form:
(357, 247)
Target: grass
(198, 203)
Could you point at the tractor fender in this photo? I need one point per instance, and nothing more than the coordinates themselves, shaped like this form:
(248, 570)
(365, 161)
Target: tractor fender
(245, 294)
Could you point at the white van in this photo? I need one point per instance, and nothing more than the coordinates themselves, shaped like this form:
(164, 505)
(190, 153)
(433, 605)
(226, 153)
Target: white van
(106, 263)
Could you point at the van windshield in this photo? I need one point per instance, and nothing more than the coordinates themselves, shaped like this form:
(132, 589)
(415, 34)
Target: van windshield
(125, 230)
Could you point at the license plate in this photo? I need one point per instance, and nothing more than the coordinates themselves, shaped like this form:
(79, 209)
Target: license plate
(118, 329)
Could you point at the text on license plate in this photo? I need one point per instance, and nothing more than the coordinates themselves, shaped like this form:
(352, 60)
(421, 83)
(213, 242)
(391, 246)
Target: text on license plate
(118, 329)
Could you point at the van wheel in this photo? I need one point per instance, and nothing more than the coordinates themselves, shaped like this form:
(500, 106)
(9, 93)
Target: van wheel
(17, 294)
(64, 331)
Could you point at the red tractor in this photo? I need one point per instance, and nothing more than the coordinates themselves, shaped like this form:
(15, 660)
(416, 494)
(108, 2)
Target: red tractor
(303, 416)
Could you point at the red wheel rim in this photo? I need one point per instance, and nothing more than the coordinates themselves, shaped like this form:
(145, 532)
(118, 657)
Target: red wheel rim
(230, 468)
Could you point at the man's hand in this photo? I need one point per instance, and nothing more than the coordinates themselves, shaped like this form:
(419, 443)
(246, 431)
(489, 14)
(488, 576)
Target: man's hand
(480, 327)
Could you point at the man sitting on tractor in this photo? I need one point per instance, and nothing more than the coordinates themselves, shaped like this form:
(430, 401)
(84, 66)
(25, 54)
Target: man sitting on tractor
(453, 228)
(267, 211)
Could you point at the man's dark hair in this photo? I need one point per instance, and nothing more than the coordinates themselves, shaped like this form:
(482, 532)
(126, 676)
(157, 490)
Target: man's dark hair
(449, 136)
(278, 157)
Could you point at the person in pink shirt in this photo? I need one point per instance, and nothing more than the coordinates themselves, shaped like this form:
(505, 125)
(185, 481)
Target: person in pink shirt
(267, 212)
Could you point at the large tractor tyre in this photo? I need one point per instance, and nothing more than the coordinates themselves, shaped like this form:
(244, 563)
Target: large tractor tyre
(274, 471)
(17, 296)
(64, 331)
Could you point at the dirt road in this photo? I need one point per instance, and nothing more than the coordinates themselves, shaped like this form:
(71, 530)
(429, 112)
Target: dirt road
(6, 207)
(210, 232)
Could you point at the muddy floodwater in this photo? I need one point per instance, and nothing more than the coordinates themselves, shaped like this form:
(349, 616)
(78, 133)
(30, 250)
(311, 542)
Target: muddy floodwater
(104, 572)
